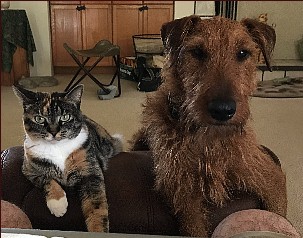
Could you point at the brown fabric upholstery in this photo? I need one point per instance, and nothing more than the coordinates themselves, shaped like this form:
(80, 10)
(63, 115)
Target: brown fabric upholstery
(134, 206)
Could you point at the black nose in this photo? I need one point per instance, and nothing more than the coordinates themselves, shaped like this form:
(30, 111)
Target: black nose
(222, 110)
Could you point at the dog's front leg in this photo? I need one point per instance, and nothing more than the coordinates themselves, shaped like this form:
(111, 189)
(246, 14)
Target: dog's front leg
(274, 194)
(193, 219)
(267, 180)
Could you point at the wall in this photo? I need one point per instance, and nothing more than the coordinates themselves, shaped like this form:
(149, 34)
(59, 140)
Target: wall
(186, 8)
(287, 16)
(38, 16)
(183, 8)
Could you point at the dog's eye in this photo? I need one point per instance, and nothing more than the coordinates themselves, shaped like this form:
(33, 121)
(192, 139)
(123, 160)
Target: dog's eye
(199, 54)
(243, 55)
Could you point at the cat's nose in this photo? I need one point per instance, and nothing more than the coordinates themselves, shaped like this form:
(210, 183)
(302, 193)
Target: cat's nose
(53, 129)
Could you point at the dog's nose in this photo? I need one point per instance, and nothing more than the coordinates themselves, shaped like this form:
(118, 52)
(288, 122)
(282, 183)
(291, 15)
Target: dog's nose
(222, 110)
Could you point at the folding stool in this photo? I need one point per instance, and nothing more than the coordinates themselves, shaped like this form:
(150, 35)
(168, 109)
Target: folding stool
(102, 49)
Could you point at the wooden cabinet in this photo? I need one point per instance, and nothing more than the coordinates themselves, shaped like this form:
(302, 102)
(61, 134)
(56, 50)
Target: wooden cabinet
(116, 21)
(66, 28)
(79, 29)
(96, 26)
(20, 68)
(129, 20)
(155, 16)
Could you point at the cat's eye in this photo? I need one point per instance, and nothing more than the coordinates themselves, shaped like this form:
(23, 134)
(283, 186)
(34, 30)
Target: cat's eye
(65, 117)
(39, 119)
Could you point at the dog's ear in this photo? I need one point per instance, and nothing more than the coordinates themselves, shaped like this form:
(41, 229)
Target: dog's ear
(263, 35)
(174, 32)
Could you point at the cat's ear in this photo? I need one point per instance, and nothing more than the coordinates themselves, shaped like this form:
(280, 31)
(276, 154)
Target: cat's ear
(25, 96)
(74, 95)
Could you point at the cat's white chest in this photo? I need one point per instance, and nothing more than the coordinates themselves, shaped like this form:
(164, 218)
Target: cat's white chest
(55, 151)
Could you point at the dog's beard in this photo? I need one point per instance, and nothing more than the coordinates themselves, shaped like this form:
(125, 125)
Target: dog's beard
(224, 130)
(200, 123)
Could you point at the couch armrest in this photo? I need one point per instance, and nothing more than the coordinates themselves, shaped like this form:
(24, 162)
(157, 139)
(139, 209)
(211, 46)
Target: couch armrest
(14, 184)
(134, 206)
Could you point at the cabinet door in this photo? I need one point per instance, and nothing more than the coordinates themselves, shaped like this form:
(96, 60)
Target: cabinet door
(66, 28)
(96, 26)
(159, 2)
(64, 2)
(125, 2)
(155, 16)
(127, 21)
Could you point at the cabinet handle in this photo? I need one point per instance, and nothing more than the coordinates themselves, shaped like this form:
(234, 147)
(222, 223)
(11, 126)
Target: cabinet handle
(80, 8)
(143, 8)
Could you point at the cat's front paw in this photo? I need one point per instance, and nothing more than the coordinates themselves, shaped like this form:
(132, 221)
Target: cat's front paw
(58, 207)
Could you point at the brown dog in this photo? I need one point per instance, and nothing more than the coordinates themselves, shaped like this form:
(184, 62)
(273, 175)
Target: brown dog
(196, 124)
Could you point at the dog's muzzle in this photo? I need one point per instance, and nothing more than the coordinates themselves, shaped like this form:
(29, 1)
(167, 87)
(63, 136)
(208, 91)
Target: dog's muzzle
(222, 110)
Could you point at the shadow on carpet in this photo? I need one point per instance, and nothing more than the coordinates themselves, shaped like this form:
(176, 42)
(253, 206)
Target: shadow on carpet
(280, 88)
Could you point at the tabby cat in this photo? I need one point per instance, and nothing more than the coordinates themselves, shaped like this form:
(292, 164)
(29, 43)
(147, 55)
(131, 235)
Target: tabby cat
(64, 147)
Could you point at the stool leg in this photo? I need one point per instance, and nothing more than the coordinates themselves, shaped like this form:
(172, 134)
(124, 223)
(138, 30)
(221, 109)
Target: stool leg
(87, 73)
(72, 83)
(90, 69)
(68, 87)
(117, 62)
(116, 74)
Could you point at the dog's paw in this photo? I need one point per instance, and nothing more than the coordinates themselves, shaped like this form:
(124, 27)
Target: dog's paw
(58, 207)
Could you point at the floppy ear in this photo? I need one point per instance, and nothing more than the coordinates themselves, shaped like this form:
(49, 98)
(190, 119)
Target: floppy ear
(174, 32)
(263, 35)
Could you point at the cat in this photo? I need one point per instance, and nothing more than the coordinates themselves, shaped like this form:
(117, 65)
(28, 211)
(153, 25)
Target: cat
(63, 147)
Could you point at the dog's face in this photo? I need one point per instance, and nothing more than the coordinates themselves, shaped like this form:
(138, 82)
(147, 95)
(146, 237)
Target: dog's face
(263, 18)
(213, 63)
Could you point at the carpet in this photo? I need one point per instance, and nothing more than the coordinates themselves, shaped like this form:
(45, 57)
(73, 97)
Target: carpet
(280, 88)
(38, 81)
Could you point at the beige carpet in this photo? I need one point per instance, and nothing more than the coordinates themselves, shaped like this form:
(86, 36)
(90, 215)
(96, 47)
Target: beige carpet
(278, 124)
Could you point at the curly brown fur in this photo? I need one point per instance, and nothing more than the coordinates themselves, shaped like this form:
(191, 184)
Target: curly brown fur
(197, 123)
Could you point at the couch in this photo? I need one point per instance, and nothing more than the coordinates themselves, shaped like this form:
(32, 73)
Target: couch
(134, 206)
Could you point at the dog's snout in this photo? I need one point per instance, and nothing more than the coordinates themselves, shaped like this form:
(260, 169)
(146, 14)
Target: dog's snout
(222, 110)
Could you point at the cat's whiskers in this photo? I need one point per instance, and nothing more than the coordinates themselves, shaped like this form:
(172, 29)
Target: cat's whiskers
(31, 146)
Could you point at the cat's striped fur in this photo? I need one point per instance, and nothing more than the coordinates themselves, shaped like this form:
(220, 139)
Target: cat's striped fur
(64, 148)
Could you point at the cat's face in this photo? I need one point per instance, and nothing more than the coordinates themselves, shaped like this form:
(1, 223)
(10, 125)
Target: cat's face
(51, 116)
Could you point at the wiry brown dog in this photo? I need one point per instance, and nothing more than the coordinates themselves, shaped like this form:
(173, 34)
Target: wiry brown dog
(196, 124)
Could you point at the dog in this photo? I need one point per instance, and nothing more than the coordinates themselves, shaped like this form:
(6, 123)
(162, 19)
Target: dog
(263, 18)
(197, 123)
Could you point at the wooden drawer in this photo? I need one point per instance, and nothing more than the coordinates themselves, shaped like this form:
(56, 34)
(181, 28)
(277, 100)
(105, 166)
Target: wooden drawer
(65, 2)
(96, 2)
(127, 2)
(158, 2)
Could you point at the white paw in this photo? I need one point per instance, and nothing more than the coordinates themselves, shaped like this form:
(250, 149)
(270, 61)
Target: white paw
(58, 207)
